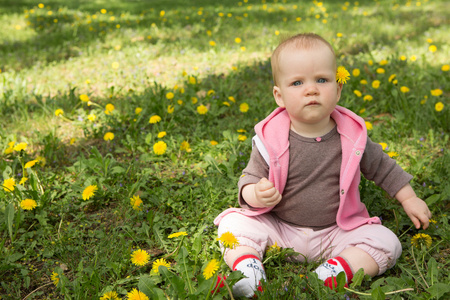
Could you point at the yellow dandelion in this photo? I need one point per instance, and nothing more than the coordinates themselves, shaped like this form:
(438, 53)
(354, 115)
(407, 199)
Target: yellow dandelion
(177, 234)
(211, 268)
(210, 92)
(228, 240)
(28, 204)
(445, 68)
(391, 78)
(404, 89)
(369, 125)
(159, 262)
(212, 43)
(140, 257)
(342, 75)
(135, 294)
(421, 239)
(357, 93)
(392, 154)
(30, 163)
(356, 72)
(9, 184)
(162, 134)
(154, 119)
(194, 100)
(110, 296)
(115, 65)
(243, 107)
(383, 62)
(237, 40)
(170, 109)
(109, 136)
(376, 84)
(55, 278)
(159, 148)
(214, 143)
(242, 137)
(89, 192)
(59, 112)
(383, 145)
(201, 109)
(138, 110)
(92, 117)
(439, 106)
(84, 98)
(436, 92)
(363, 81)
(413, 58)
(232, 99)
(432, 48)
(23, 180)
(72, 141)
(185, 146)
(162, 13)
(136, 202)
(403, 57)
(20, 147)
(109, 108)
(170, 95)
(380, 71)
(192, 80)
(368, 98)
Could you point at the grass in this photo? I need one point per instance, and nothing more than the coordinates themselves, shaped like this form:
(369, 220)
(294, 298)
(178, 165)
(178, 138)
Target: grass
(159, 56)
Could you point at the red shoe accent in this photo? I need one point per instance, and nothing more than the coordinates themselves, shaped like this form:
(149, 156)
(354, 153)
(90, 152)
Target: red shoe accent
(219, 284)
(347, 269)
(237, 261)
(331, 282)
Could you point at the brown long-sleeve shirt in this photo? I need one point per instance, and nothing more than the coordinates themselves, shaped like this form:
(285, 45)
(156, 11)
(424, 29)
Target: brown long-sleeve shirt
(311, 195)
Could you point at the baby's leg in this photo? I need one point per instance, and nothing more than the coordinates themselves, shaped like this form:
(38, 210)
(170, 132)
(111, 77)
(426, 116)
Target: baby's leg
(253, 234)
(374, 248)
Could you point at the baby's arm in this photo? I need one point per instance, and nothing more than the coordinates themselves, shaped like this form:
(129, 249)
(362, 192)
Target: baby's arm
(261, 194)
(416, 209)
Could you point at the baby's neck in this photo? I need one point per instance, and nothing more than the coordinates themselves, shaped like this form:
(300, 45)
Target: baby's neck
(313, 130)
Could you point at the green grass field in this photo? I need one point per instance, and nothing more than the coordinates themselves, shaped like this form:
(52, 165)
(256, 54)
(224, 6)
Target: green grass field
(126, 122)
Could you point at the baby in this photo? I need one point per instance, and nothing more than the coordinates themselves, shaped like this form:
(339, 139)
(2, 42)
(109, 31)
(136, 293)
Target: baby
(300, 187)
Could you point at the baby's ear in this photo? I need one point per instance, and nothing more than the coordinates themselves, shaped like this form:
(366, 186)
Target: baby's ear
(339, 90)
(277, 96)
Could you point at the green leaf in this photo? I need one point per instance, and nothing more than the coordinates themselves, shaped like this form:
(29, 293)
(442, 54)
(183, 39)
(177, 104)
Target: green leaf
(432, 273)
(9, 218)
(176, 282)
(14, 257)
(433, 199)
(439, 289)
(357, 279)
(340, 280)
(147, 286)
(378, 294)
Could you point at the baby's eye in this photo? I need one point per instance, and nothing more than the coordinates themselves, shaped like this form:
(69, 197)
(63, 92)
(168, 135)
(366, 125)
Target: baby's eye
(296, 83)
(322, 80)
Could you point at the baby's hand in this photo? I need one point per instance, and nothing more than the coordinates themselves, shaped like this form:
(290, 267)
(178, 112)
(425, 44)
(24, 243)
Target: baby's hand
(417, 210)
(266, 193)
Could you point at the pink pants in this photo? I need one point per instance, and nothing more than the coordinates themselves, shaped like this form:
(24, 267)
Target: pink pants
(261, 231)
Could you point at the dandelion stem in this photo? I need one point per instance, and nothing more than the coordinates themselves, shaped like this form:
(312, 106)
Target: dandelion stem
(417, 267)
(387, 293)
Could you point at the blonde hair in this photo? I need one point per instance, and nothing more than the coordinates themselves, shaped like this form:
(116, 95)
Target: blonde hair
(298, 41)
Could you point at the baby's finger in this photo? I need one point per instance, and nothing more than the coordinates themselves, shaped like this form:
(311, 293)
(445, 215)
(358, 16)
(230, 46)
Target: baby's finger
(265, 184)
(425, 221)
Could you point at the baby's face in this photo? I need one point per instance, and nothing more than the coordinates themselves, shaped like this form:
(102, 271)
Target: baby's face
(307, 85)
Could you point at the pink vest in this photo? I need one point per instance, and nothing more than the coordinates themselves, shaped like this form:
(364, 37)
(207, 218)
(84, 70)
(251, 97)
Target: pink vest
(273, 131)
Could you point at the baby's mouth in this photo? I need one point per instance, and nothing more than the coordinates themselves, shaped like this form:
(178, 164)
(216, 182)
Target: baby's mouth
(312, 103)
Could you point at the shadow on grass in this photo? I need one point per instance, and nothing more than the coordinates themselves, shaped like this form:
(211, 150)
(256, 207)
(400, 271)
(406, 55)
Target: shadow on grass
(76, 32)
